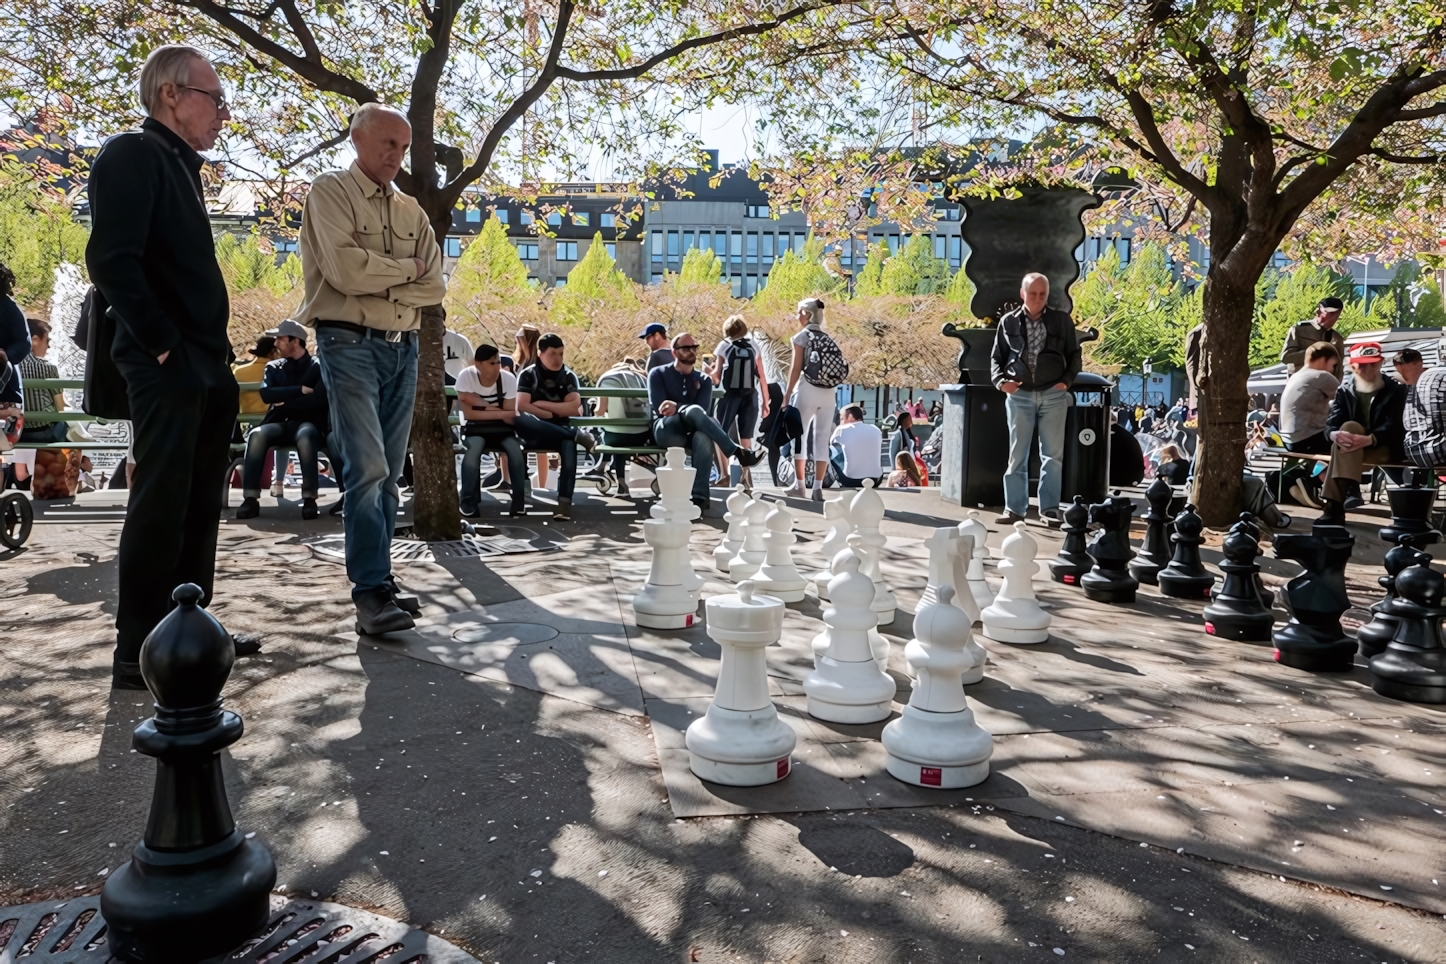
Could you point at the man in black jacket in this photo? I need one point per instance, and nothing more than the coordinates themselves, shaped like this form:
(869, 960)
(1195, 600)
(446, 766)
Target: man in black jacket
(1035, 361)
(152, 256)
(1366, 426)
(298, 417)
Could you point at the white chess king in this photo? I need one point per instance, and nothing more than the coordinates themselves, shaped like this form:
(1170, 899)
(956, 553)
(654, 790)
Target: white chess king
(1015, 615)
(669, 599)
(867, 512)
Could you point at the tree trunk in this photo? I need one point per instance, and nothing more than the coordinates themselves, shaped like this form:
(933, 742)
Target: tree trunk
(435, 514)
(1229, 308)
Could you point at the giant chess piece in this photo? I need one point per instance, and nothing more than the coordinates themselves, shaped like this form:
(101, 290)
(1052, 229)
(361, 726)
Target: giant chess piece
(1413, 667)
(1376, 635)
(878, 645)
(1237, 610)
(740, 741)
(1109, 580)
(1015, 615)
(1185, 577)
(1154, 553)
(1411, 510)
(973, 527)
(779, 576)
(195, 887)
(946, 572)
(733, 537)
(935, 742)
(1073, 560)
(1313, 639)
(848, 686)
(867, 512)
(749, 560)
(961, 552)
(836, 513)
(669, 599)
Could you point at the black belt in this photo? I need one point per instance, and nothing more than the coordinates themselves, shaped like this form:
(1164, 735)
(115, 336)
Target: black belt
(365, 332)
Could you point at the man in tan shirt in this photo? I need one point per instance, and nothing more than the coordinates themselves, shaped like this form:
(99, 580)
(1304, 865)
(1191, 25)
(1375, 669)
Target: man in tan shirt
(371, 263)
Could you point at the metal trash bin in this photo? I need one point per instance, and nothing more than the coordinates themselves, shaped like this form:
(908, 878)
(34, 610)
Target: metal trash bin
(1087, 440)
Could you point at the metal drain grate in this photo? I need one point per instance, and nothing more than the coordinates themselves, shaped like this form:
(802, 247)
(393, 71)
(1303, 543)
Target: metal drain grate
(499, 542)
(300, 932)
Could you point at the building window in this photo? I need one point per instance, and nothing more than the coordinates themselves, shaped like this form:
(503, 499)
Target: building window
(757, 211)
(608, 220)
(612, 250)
(524, 218)
(657, 279)
(954, 252)
(688, 242)
(672, 245)
(737, 285)
(799, 239)
(939, 246)
(474, 215)
(893, 244)
(554, 218)
(453, 247)
(567, 250)
(1122, 245)
(581, 218)
(750, 285)
(533, 282)
(751, 247)
(559, 283)
(284, 246)
(657, 247)
(720, 245)
(527, 250)
(705, 241)
(767, 246)
(502, 216)
(735, 247)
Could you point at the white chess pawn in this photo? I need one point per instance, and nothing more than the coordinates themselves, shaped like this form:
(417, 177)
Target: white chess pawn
(935, 742)
(947, 552)
(749, 560)
(848, 686)
(878, 645)
(740, 741)
(978, 588)
(1015, 615)
(836, 512)
(733, 538)
(778, 575)
(866, 512)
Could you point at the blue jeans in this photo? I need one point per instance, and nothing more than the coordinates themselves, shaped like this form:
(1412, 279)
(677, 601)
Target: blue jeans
(540, 434)
(371, 386)
(693, 429)
(511, 447)
(1027, 412)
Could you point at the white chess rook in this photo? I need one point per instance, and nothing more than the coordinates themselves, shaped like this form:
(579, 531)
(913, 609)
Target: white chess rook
(936, 742)
(947, 553)
(754, 551)
(973, 527)
(733, 538)
(779, 576)
(740, 741)
(836, 513)
(866, 512)
(848, 686)
(669, 599)
(1015, 615)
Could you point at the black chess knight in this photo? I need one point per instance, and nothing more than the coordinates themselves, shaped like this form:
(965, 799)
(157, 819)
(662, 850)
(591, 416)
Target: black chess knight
(1110, 580)
(1313, 639)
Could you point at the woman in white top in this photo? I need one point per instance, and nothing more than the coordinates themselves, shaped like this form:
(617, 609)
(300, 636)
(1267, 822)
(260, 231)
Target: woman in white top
(815, 404)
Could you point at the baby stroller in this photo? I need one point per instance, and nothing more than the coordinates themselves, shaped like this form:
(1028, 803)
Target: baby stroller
(16, 514)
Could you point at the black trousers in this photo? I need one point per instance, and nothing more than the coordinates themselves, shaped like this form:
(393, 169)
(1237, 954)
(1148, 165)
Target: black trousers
(305, 437)
(181, 418)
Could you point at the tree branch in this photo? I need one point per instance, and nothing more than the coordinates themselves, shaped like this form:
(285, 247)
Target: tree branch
(1408, 158)
(325, 145)
(300, 30)
(1145, 117)
(1436, 110)
(422, 111)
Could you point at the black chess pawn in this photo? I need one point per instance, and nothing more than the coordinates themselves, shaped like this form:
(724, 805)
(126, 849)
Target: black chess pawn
(1237, 611)
(1109, 580)
(1154, 552)
(1073, 561)
(1413, 666)
(1313, 639)
(1374, 636)
(1186, 577)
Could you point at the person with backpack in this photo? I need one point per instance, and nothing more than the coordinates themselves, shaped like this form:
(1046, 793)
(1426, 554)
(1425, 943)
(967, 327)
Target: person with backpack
(626, 374)
(818, 368)
(487, 396)
(738, 370)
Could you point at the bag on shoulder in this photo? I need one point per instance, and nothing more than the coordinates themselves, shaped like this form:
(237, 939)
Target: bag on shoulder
(823, 364)
(741, 371)
(105, 386)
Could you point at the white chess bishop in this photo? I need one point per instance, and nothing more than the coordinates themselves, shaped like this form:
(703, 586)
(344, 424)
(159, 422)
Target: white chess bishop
(848, 686)
(973, 527)
(740, 741)
(836, 513)
(669, 599)
(754, 551)
(1015, 615)
(936, 742)
(778, 575)
(878, 645)
(947, 552)
(733, 538)
(866, 512)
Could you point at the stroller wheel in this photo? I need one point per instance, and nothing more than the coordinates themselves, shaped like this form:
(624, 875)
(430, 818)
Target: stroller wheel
(16, 518)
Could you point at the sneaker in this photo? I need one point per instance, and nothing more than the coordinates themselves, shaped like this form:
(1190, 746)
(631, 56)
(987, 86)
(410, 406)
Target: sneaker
(585, 439)
(503, 485)
(623, 491)
(405, 601)
(1352, 500)
(1301, 494)
(309, 509)
(248, 509)
(470, 511)
(517, 511)
(1008, 518)
(1334, 514)
(277, 490)
(704, 504)
(1051, 518)
(748, 457)
(818, 493)
(563, 512)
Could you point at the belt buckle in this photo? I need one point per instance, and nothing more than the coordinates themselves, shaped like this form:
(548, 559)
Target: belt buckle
(395, 336)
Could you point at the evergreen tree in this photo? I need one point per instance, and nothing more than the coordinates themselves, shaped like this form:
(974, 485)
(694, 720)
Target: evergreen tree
(960, 294)
(795, 276)
(594, 283)
(914, 270)
(246, 266)
(699, 269)
(489, 275)
(870, 279)
(1417, 297)
(1286, 298)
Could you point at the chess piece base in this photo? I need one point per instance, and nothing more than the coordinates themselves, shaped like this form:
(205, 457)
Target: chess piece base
(849, 712)
(1068, 573)
(849, 692)
(722, 556)
(650, 620)
(1181, 586)
(1412, 675)
(1313, 656)
(924, 746)
(940, 778)
(1245, 628)
(972, 676)
(788, 590)
(1373, 638)
(1018, 636)
(1118, 588)
(740, 748)
(886, 616)
(740, 774)
(1147, 571)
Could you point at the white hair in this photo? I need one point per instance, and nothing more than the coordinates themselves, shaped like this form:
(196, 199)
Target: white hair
(369, 113)
(170, 64)
(814, 308)
(1031, 278)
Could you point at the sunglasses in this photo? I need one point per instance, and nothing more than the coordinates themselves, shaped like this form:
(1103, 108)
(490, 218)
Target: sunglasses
(685, 348)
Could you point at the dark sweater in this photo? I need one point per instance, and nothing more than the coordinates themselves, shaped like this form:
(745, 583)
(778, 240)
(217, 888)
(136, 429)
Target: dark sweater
(281, 385)
(667, 384)
(1387, 420)
(15, 342)
(151, 252)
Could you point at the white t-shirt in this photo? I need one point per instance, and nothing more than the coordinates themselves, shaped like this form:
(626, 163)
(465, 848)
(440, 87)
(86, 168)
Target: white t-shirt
(861, 443)
(470, 380)
(800, 337)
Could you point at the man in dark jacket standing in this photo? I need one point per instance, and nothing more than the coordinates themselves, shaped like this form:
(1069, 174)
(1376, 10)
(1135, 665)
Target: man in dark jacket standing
(1366, 426)
(152, 256)
(1036, 358)
(298, 417)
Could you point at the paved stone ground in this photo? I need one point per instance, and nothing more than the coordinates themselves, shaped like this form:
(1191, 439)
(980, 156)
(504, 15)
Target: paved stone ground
(508, 794)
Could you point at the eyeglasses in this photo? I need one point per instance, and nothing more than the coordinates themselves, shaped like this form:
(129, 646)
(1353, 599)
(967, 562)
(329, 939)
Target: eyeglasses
(685, 348)
(218, 98)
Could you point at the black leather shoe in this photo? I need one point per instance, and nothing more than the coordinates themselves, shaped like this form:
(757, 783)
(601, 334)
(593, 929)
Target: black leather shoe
(407, 602)
(247, 644)
(309, 509)
(704, 504)
(126, 676)
(518, 510)
(248, 509)
(1334, 514)
(748, 457)
(376, 613)
(585, 439)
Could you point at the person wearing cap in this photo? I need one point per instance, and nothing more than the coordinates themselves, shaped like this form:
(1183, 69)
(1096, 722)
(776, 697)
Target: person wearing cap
(1365, 427)
(298, 418)
(1409, 366)
(1425, 416)
(655, 336)
(1320, 328)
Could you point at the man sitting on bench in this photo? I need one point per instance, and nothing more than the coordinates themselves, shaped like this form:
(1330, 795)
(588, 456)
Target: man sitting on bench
(682, 400)
(1425, 418)
(547, 396)
(299, 416)
(1365, 428)
(488, 398)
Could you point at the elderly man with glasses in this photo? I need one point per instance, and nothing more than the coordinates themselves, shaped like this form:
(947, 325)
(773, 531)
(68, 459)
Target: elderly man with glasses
(681, 400)
(152, 258)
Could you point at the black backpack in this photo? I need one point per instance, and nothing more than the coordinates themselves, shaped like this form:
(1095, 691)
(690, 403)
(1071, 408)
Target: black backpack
(824, 365)
(741, 372)
(105, 387)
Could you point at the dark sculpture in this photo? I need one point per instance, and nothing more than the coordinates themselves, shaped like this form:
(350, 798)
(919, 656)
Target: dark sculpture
(1110, 579)
(1238, 610)
(1413, 667)
(1073, 560)
(1185, 577)
(1313, 639)
(1376, 635)
(1154, 552)
(1411, 511)
(195, 887)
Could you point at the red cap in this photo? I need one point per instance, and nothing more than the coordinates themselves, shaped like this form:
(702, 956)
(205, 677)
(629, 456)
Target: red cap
(1367, 351)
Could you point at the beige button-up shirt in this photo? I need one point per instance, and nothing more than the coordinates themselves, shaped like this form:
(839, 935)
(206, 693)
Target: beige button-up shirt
(357, 243)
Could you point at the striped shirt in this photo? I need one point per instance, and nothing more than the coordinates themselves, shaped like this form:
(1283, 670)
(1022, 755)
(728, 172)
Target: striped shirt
(1034, 335)
(1425, 419)
(38, 399)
